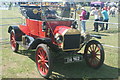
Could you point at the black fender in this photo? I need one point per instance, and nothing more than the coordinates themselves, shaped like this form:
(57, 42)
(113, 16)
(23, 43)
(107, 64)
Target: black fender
(47, 41)
(96, 36)
(18, 32)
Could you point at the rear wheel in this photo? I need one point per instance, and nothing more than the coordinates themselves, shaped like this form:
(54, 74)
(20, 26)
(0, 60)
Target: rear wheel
(43, 60)
(13, 42)
(94, 54)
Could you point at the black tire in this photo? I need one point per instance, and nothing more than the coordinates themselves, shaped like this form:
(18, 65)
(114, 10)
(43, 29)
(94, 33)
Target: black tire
(94, 54)
(14, 44)
(45, 71)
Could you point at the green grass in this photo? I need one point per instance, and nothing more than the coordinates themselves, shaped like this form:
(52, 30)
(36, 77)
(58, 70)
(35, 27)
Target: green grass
(22, 64)
(18, 65)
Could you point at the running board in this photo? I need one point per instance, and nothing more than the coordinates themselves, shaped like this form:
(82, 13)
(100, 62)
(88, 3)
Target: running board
(21, 43)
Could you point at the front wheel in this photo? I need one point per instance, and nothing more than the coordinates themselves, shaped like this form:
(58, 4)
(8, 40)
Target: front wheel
(94, 54)
(43, 60)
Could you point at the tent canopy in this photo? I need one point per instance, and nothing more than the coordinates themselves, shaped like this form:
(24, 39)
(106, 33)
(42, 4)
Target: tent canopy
(97, 4)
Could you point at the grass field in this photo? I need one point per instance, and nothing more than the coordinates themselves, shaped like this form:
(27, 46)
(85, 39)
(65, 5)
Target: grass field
(22, 64)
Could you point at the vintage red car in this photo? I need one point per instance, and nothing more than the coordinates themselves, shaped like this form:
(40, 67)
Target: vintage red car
(45, 30)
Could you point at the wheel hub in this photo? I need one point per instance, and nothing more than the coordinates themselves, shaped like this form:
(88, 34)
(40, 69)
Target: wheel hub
(93, 54)
(41, 60)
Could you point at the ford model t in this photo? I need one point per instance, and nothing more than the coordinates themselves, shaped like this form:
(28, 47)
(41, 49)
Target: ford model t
(46, 30)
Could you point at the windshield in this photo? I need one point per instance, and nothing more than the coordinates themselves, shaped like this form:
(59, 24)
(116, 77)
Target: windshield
(45, 12)
(50, 13)
(56, 12)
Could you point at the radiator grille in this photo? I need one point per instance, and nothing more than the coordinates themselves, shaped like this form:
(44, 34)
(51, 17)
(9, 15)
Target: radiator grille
(71, 42)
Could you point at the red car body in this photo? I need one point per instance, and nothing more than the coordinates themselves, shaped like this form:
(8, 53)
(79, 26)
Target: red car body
(33, 28)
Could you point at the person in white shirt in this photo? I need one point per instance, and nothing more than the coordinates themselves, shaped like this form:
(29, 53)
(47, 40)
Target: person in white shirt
(112, 10)
(95, 12)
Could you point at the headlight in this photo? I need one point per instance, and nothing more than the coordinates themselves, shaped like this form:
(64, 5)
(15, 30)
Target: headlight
(59, 38)
(74, 25)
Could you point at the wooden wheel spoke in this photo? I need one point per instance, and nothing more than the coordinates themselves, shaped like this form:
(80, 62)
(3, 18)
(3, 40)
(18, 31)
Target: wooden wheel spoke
(45, 68)
(39, 56)
(45, 56)
(41, 52)
(97, 54)
(91, 48)
(46, 61)
(97, 60)
(89, 51)
(46, 65)
(97, 50)
(95, 47)
(44, 53)
(39, 61)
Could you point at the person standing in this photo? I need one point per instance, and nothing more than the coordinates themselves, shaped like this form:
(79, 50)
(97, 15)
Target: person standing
(95, 12)
(82, 19)
(113, 11)
(105, 17)
(101, 19)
